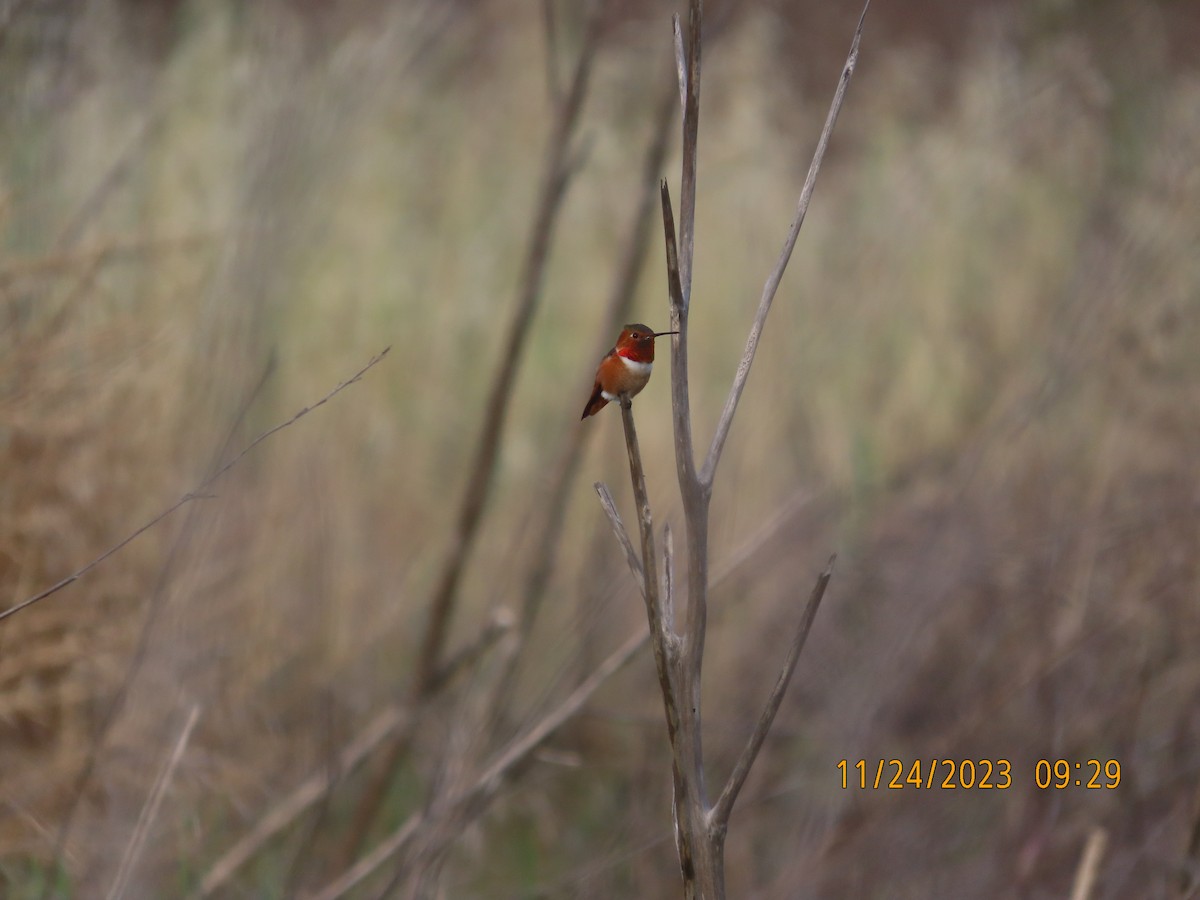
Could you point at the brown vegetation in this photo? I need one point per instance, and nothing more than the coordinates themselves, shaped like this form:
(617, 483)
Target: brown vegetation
(979, 388)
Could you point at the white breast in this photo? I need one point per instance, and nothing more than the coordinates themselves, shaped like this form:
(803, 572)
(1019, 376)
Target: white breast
(637, 368)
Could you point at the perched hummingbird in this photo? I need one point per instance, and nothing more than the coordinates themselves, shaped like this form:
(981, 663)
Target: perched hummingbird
(625, 369)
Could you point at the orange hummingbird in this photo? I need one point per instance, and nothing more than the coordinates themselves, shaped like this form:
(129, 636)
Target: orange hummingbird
(625, 369)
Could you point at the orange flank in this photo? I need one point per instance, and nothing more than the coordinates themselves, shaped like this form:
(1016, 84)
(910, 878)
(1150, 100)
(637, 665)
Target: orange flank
(625, 369)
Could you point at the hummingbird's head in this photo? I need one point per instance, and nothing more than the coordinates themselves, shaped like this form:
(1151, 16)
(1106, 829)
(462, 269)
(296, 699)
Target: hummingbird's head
(637, 342)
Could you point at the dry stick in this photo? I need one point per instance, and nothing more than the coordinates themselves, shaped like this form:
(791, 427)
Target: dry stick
(703, 872)
(620, 299)
(553, 189)
(150, 810)
(718, 817)
(1089, 864)
(687, 779)
(614, 517)
(553, 505)
(772, 283)
(196, 492)
(690, 801)
(393, 718)
(492, 778)
(668, 579)
(430, 670)
(307, 793)
(141, 649)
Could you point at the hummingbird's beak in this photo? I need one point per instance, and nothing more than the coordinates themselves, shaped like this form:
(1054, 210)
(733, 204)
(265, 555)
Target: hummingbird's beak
(661, 333)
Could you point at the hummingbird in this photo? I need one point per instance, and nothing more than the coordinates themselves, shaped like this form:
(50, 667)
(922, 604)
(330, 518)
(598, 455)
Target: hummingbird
(625, 369)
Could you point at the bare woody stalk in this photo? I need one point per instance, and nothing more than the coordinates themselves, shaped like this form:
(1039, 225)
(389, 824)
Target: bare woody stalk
(199, 492)
(556, 175)
(431, 668)
(700, 826)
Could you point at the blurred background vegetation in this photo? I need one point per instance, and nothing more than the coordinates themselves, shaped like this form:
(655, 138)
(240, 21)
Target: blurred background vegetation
(980, 386)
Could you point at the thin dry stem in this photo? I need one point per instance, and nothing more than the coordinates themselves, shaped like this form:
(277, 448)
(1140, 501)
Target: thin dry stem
(150, 810)
(489, 781)
(614, 518)
(1089, 864)
(719, 816)
(308, 792)
(772, 283)
(393, 719)
(198, 492)
(556, 176)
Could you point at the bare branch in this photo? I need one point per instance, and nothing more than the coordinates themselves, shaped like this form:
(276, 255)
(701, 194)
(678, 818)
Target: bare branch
(681, 408)
(304, 795)
(681, 75)
(555, 178)
(772, 283)
(491, 778)
(394, 718)
(150, 809)
(662, 640)
(668, 580)
(614, 517)
(691, 131)
(1089, 865)
(718, 818)
(196, 493)
(553, 76)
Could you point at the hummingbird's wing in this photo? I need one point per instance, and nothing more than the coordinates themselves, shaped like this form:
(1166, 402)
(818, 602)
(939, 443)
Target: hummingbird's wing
(595, 403)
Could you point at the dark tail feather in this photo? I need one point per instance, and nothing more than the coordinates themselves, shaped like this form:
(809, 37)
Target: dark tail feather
(595, 403)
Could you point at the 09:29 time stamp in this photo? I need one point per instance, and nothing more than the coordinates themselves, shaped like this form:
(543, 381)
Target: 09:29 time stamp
(975, 774)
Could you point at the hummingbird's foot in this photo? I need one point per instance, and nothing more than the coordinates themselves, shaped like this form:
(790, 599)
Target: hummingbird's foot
(626, 401)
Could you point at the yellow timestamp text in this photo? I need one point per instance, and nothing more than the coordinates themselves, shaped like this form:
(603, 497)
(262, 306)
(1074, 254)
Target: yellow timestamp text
(975, 774)
(944, 774)
(1094, 774)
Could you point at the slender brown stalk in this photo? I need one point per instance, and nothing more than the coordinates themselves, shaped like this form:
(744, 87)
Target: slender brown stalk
(150, 809)
(308, 792)
(772, 283)
(1089, 865)
(491, 778)
(396, 718)
(429, 675)
(610, 509)
(198, 492)
(556, 176)
(719, 815)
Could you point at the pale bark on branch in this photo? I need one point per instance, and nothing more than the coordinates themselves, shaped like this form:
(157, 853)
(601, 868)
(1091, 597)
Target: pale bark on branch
(700, 826)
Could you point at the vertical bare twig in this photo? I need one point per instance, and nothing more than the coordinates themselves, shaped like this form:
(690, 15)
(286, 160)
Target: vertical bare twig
(430, 667)
(701, 828)
(556, 175)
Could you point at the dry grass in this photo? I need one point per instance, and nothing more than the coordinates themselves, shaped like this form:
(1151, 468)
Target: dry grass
(982, 366)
